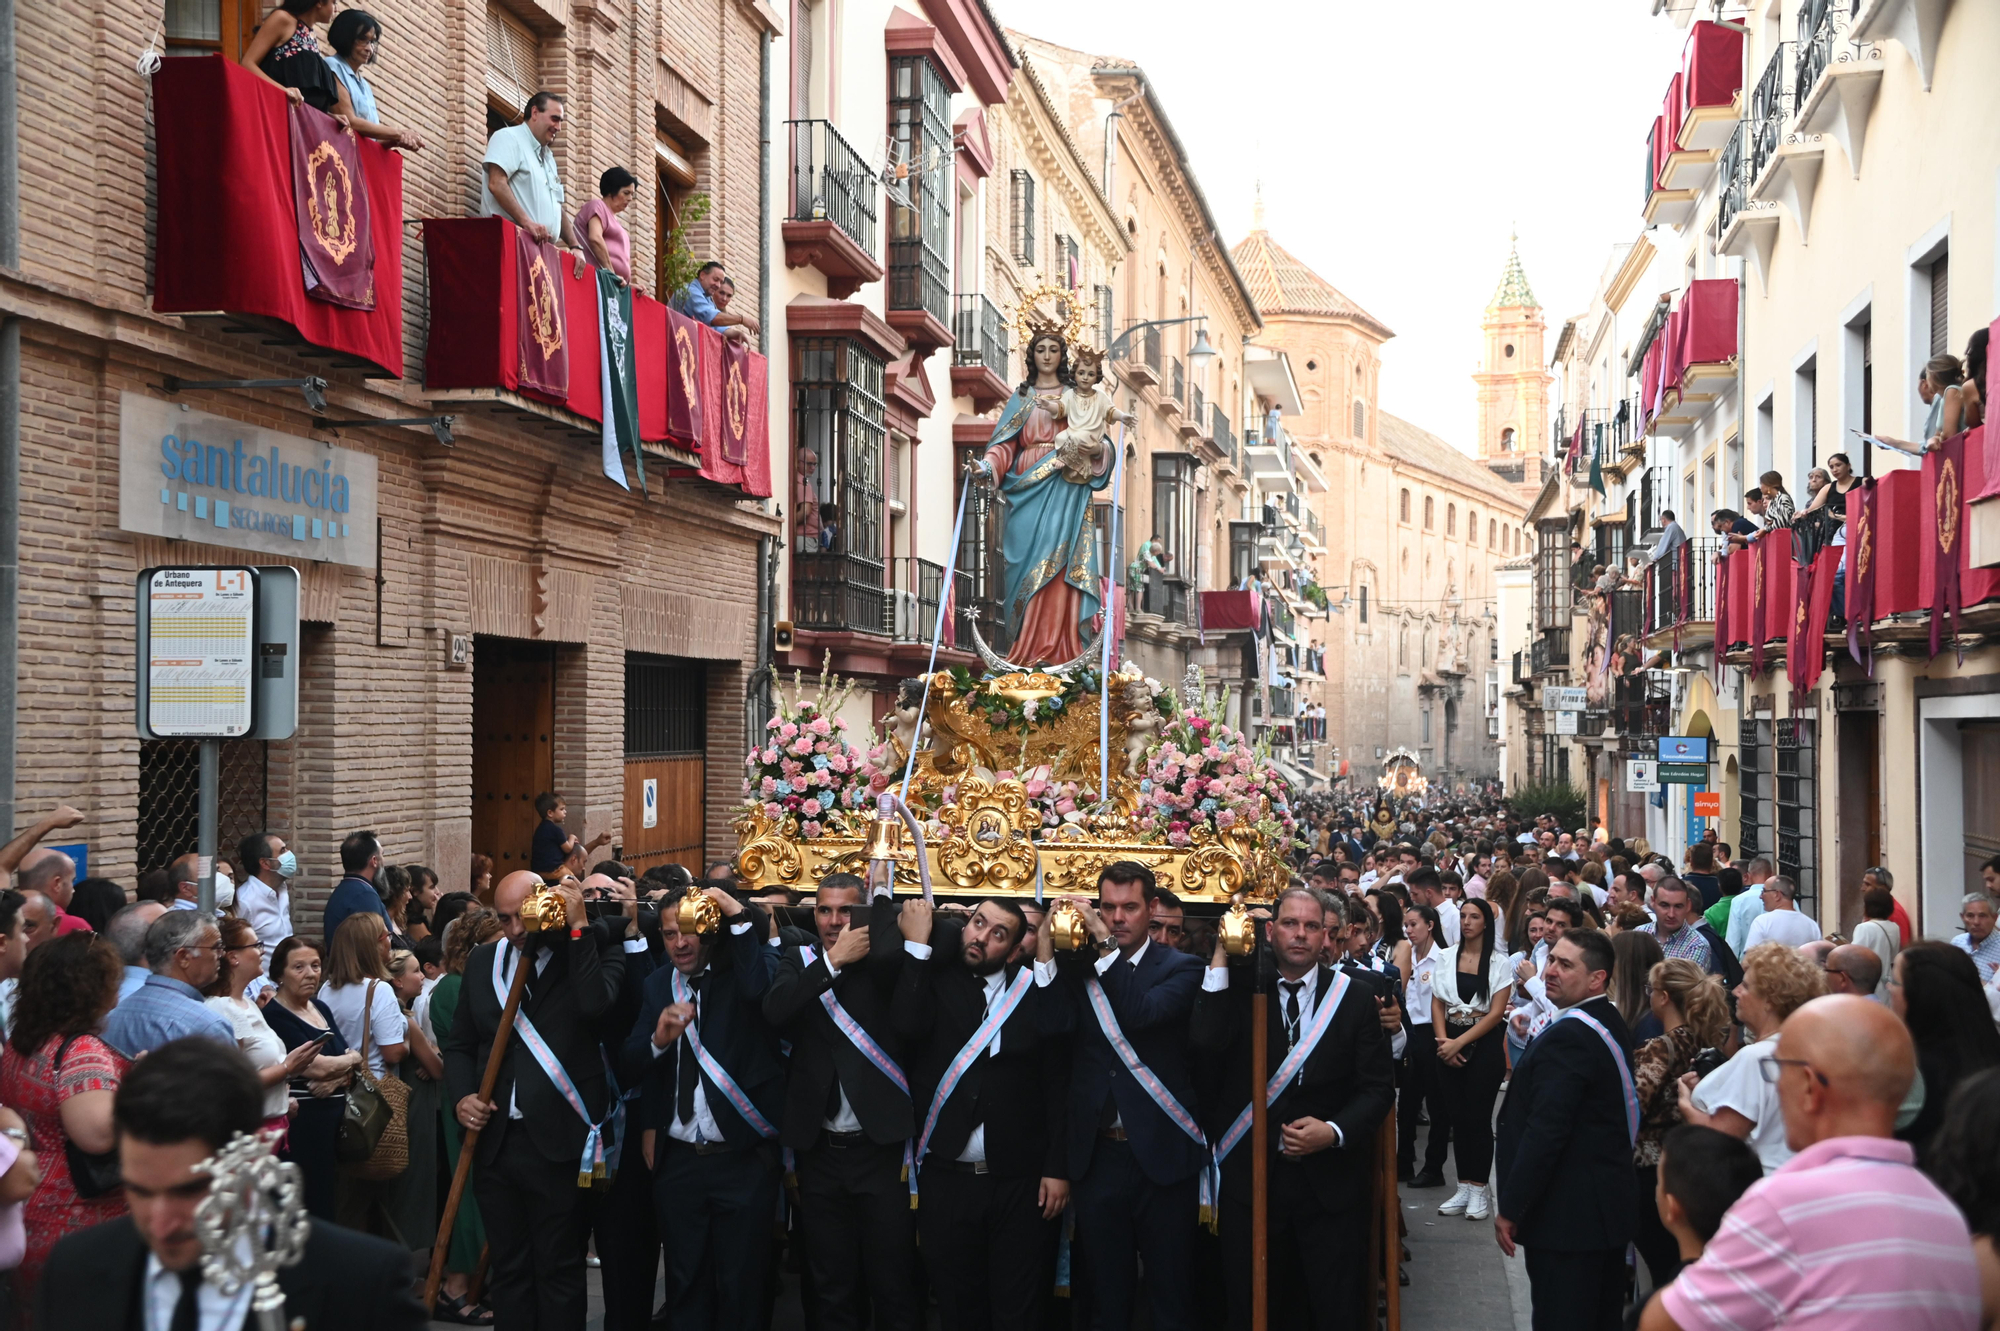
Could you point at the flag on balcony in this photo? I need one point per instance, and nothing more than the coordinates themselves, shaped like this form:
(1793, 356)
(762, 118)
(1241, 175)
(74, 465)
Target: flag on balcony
(1860, 607)
(733, 375)
(1760, 617)
(619, 376)
(1722, 639)
(684, 419)
(543, 324)
(1944, 478)
(330, 196)
(716, 465)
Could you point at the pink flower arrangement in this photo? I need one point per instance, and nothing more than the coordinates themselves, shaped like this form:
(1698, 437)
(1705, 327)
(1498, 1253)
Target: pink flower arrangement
(1206, 774)
(806, 772)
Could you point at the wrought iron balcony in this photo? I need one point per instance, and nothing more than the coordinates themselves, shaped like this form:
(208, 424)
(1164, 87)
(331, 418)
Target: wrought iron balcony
(1771, 103)
(1198, 409)
(832, 208)
(1550, 652)
(979, 352)
(1151, 350)
(919, 284)
(1735, 169)
(1177, 381)
(1225, 438)
(839, 592)
(1822, 27)
(914, 592)
(1642, 704)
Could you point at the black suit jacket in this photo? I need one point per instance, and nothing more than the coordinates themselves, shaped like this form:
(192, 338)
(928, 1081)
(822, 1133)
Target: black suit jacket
(96, 1278)
(1152, 1003)
(566, 1003)
(1018, 1095)
(820, 1052)
(1564, 1150)
(732, 1028)
(1348, 1081)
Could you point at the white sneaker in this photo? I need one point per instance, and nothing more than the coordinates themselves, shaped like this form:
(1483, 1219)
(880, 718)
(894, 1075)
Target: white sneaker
(1480, 1207)
(1459, 1201)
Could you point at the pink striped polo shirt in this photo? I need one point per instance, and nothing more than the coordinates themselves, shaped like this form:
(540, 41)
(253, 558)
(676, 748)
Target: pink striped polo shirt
(1847, 1235)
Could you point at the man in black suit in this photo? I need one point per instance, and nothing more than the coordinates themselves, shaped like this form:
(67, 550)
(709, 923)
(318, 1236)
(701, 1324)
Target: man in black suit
(847, 1115)
(712, 1095)
(177, 1107)
(1568, 1192)
(994, 1172)
(1323, 1122)
(1135, 1160)
(532, 1165)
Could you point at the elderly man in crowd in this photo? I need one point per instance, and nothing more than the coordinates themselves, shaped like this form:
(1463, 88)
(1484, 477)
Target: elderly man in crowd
(1979, 941)
(127, 932)
(53, 874)
(521, 179)
(1853, 969)
(184, 954)
(1782, 921)
(706, 299)
(1801, 1248)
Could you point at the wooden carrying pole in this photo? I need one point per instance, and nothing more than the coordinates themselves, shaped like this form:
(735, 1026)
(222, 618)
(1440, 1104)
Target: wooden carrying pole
(1260, 1161)
(471, 1137)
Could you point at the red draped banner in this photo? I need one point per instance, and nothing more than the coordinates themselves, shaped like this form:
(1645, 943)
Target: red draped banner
(330, 198)
(1860, 607)
(684, 416)
(734, 377)
(715, 424)
(1760, 609)
(1722, 634)
(757, 440)
(542, 322)
(1944, 478)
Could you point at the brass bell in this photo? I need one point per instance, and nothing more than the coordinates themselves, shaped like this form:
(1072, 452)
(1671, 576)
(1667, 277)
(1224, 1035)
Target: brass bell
(885, 841)
(1239, 931)
(543, 912)
(698, 913)
(1067, 931)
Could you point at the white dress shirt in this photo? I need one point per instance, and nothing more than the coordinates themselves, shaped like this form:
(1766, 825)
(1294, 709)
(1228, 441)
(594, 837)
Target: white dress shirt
(219, 1312)
(703, 1127)
(266, 909)
(975, 1142)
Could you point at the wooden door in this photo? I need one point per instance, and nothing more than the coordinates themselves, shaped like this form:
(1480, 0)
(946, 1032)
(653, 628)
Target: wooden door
(666, 743)
(513, 748)
(1860, 827)
(677, 834)
(1979, 743)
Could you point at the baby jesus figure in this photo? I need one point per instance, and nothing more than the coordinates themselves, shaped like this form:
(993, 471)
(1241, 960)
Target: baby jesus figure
(1087, 411)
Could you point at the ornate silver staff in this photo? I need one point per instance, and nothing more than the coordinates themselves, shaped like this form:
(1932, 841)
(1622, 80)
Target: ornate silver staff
(252, 1222)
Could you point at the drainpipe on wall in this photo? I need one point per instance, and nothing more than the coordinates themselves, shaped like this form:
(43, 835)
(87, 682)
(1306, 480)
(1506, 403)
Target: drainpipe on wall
(10, 417)
(1111, 129)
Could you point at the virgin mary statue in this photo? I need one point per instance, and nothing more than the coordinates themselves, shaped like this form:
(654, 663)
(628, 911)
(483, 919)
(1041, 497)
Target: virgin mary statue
(1047, 544)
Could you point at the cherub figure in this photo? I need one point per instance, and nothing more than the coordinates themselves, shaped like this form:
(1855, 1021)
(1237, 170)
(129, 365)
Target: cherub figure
(1142, 724)
(1087, 411)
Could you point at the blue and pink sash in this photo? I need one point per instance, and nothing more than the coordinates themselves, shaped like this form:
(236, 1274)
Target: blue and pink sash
(1294, 1061)
(962, 1062)
(1631, 1092)
(592, 1166)
(715, 1072)
(845, 1023)
(1149, 1081)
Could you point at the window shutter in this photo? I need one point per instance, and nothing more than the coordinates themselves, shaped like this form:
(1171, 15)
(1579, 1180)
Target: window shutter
(1023, 222)
(1941, 305)
(1360, 419)
(1105, 323)
(513, 61)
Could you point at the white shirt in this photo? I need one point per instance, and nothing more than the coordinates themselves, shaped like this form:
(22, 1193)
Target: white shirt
(1746, 906)
(219, 1312)
(386, 1023)
(1791, 927)
(1448, 922)
(1418, 991)
(703, 1127)
(530, 167)
(1739, 1084)
(975, 1142)
(266, 909)
(259, 1042)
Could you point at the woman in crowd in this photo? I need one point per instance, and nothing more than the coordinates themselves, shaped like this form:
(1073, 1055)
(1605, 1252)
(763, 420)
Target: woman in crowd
(1736, 1098)
(1510, 910)
(481, 883)
(1420, 927)
(1878, 933)
(415, 1203)
(276, 1063)
(1637, 954)
(468, 1235)
(284, 52)
(423, 902)
(605, 240)
(1692, 1008)
(1963, 405)
(1391, 948)
(358, 983)
(297, 1015)
(59, 1076)
(395, 889)
(354, 36)
(1469, 991)
(1964, 1164)
(1936, 991)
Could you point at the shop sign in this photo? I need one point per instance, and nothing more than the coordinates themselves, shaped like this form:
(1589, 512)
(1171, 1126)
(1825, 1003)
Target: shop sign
(192, 476)
(1556, 699)
(1684, 774)
(1641, 776)
(650, 803)
(1566, 723)
(1707, 803)
(200, 631)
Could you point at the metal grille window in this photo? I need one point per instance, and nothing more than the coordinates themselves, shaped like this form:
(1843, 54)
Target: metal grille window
(666, 710)
(1173, 510)
(1798, 806)
(1104, 317)
(169, 822)
(1021, 220)
(978, 584)
(838, 401)
(920, 233)
(1754, 812)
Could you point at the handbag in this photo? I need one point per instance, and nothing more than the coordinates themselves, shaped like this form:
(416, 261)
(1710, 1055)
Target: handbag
(374, 1138)
(91, 1175)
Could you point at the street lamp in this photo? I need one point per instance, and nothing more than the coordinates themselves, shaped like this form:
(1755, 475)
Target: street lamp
(1200, 349)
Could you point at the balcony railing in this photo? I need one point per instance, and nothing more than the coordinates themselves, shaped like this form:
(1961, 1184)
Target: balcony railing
(1822, 29)
(1177, 381)
(919, 279)
(1680, 587)
(979, 335)
(1550, 651)
(1314, 529)
(1642, 704)
(1225, 438)
(831, 182)
(1198, 409)
(1735, 169)
(840, 592)
(1150, 349)
(1166, 597)
(915, 586)
(1770, 106)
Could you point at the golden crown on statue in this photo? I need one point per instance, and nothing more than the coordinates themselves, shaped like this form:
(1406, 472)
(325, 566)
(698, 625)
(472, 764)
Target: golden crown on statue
(1051, 308)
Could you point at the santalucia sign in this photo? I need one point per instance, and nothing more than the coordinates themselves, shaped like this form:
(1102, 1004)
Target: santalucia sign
(192, 476)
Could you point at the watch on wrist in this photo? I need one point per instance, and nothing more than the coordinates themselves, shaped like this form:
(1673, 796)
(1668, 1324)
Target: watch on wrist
(1106, 945)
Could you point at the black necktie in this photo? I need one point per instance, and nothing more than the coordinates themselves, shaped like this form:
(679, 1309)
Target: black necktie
(187, 1308)
(686, 1076)
(1291, 988)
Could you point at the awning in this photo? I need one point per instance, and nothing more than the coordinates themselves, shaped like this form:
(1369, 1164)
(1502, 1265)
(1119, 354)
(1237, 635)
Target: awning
(1290, 773)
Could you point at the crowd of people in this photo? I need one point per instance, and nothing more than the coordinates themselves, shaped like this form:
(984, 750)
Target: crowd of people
(1577, 1040)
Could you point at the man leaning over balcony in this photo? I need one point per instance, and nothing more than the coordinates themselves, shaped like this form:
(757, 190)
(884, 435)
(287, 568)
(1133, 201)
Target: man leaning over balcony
(707, 299)
(522, 182)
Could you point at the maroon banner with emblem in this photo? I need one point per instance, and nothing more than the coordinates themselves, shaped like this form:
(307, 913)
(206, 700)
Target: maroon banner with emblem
(541, 316)
(734, 443)
(714, 377)
(330, 196)
(1860, 607)
(1944, 479)
(1760, 609)
(757, 465)
(684, 414)
(1721, 611)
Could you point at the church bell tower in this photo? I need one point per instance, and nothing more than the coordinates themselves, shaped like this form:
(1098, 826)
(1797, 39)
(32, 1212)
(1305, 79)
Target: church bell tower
(1514, 380)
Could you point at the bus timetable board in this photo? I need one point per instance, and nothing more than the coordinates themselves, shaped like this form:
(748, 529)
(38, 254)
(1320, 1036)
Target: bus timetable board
(199, 633)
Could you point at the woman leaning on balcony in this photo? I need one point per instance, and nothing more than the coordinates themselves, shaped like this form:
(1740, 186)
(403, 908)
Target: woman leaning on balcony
(605, 239)
(284, 52)
(355, 36)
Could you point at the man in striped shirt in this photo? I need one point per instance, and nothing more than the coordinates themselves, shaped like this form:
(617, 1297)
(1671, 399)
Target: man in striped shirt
(1979, 941)
(1847, 1235)
(1672, 905)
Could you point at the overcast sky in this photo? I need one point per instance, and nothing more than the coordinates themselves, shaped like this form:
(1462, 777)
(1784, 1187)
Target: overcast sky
(1397, 142)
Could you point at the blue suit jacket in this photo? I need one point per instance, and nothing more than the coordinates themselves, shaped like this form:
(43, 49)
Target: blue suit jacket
(1152, 1003)
(350, 896)
(732, 1029)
